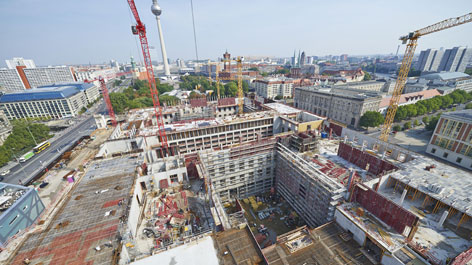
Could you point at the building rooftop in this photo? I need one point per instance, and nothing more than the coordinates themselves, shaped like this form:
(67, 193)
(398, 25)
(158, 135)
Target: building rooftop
(9, 194)
(237, 246)
(444, 183)
(44, 93)
(343, 92)
(282, 108)
(463, 115)
(404, 98)
(445, 76)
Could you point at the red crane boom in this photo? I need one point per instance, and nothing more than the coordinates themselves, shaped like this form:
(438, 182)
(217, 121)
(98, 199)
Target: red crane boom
(106, 97)
(140, 30)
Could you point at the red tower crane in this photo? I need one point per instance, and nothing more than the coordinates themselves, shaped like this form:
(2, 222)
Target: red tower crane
(106, 97)
(140, 30)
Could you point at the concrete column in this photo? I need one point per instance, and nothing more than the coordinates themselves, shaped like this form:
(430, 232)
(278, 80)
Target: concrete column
(443, 218)
(405, 191)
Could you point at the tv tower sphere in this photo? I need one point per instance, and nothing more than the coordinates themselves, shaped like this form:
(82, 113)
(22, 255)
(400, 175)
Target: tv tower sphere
(155, 8)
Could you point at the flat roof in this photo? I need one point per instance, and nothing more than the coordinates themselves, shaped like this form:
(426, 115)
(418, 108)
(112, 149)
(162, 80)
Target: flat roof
(460, 115)
(44, 93)
(240, 246)
(450, 185)
(198, 252)
(282, 108)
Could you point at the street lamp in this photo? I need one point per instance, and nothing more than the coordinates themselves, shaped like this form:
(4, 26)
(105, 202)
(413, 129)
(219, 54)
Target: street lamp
(27, 128)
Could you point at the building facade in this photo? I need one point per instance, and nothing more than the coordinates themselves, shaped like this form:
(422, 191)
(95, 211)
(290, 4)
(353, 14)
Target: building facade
(452, 138)
(455, 59)
(429, 60)
(272, 87)
(43, 76)
(10, 80)
(55, 102)
(342, 105)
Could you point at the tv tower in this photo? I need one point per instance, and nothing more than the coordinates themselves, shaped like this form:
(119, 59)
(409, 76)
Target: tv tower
(157, 11)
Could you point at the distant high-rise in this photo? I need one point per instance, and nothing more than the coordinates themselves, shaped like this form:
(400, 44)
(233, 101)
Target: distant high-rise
(23, 74)
(227, 63)
(455, 59)
(310, 60)
(343, 57)
(294, 59)
(429, 60)
(302, 59)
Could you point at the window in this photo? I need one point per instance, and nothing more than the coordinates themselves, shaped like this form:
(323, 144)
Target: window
(13, 220)
(445, 155)
(174, 178)
(433, 150)
(459, 159)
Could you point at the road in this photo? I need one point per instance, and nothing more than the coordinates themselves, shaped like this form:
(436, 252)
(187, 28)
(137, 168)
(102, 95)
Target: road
(84, 125)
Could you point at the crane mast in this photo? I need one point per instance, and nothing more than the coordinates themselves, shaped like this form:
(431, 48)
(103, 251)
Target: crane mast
(412, 40)
(140, 30)
(106, 97)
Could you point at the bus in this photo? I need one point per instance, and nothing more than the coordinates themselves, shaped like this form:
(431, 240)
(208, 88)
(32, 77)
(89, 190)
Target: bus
(26, 157)
(40, 147)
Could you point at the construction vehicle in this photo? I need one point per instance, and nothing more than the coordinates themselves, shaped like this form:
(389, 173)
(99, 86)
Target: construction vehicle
(411, 42)
(140, 30)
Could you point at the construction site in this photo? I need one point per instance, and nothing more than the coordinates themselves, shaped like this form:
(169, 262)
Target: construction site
(218, 182)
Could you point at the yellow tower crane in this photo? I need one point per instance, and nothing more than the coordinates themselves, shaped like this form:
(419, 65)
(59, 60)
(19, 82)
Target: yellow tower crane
(217, 76)
(411, 40)
(239, 65)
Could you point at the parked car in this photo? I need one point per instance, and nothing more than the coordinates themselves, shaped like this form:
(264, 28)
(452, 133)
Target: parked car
(5, 172)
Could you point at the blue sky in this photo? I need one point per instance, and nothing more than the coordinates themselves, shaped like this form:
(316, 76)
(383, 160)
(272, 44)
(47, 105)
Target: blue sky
(82, 31)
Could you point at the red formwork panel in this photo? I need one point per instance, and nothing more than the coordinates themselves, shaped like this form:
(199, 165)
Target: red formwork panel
(383, 208)
(337, 129)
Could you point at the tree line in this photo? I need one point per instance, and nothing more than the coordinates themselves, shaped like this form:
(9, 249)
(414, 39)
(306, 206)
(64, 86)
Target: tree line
(203, 85)
(20, 139)
(139, 96)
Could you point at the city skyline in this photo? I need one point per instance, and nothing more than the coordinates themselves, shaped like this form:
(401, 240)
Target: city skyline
(30, 27)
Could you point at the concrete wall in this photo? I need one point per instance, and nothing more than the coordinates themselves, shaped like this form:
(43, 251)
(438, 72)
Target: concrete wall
(135, 208)
(358, 234)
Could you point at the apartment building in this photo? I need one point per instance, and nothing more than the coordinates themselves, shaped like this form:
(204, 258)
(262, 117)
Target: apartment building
(342, 105)
(452, 138)
(272, 87)
(55, 101)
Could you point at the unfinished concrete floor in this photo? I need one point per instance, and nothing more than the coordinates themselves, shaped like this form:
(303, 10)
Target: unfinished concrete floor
(85, 229)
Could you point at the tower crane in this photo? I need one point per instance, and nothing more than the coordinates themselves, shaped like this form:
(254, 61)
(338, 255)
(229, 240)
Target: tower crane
(239, 64)
(106, 97)
(140, 30)
(411, 41)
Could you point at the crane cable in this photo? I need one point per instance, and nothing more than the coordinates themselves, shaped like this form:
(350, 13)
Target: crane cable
(194, 32)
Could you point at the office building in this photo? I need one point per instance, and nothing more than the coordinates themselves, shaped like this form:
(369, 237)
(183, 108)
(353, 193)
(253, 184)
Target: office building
(429, 60)
(273, 87)
(452, 138)
(455, 59)
(340, 104)
(54, 101)
(43, 76)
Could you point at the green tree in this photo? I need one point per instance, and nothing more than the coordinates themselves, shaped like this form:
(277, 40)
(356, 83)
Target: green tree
(169, 100)
(371, 119)
(401, 113)
(117, 82)
(411, 110)
(278, 97)
(367, 76)
(254, 69)
(468, 71)
(397, 128)
(82, 110)
(425, 120)
(264, 74)
(432, 123)
(119, 102)
(416, 123)
(194, 95)
(468, 106)
(407, 125)
(231, 89)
